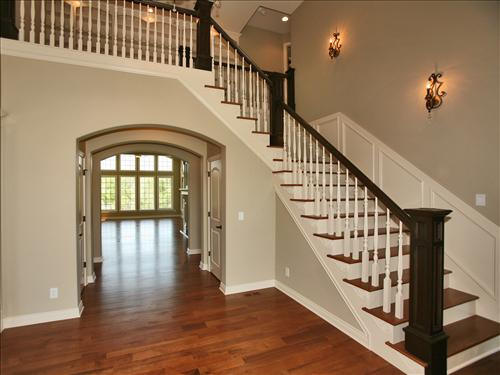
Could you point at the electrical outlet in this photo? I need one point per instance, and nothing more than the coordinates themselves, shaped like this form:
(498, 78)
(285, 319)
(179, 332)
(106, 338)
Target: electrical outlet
(481, 200)
(53, 293)
(241, 216)
(287, 271)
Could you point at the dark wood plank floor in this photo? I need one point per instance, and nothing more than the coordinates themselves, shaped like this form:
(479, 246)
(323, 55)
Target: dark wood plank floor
(152, 311)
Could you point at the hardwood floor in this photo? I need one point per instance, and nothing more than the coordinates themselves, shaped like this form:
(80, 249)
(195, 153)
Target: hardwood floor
(152, 311)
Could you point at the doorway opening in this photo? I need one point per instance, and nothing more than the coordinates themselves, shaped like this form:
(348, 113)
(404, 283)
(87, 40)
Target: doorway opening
(147, 203)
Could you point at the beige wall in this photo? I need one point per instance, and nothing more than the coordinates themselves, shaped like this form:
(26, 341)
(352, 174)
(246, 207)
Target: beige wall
(307, 275)
(52, 105)
(389, 49)
(264, 47)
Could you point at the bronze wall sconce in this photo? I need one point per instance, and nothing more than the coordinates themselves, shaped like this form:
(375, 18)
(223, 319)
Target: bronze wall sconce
(434, 97)
(334, 49)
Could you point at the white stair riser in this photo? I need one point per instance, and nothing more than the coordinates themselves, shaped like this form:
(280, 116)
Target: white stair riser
(475, 353)
(353, 271)
(335, 247)
(301, 192)
(287, 178)
(322, 226)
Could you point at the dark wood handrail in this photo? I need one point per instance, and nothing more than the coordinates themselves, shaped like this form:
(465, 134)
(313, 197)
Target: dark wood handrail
(240, 51)
(365, 180)
(189, 12)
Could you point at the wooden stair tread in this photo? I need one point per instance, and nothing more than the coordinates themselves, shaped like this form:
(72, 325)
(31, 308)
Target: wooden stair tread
(232, 103)
(451, 298)
(394, 280)
(257, 132)
(327, 161)
(371, 232)
(381, 255)
(328, 199)
(246, 118)
(275, 146)
(342, 215)
(320, 172)
(321, 185)
(215, 87)
(462, 335)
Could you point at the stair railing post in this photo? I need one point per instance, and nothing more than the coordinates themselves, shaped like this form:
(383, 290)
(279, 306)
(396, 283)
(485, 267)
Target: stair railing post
(203, 57)
(8, 27)
(290, 86)
(276, 127)
(424, 336)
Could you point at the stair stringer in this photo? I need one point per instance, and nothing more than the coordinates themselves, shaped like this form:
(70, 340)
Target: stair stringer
(375, 332)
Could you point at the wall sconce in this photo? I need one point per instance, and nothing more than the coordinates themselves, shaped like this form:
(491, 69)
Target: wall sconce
(434, 97)
(334, 49)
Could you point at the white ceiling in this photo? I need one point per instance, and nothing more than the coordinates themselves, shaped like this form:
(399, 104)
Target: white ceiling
(270, 19)
(233, 15)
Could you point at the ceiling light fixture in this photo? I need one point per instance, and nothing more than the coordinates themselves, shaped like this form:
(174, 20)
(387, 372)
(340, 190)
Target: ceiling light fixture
(284, 18)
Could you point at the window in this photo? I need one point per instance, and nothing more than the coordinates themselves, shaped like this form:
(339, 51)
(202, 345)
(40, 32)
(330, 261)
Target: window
(108, 164)
(164, 163)
(127, 193)
(108, 193)
(147, 163)
(147, 193)
(164, 193)
(127, 162)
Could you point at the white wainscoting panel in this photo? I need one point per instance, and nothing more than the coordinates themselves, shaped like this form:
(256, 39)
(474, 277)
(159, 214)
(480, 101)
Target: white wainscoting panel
(472, 243)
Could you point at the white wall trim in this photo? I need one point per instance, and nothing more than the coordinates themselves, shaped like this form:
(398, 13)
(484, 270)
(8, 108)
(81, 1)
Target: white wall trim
(44, 317)
(242, 288)
(324, 314)
(80, 308)
(98, 259)
(193, 251)
(91, 278)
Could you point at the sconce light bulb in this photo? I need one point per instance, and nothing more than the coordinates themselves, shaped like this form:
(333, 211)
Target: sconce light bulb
(284, 19)
(150, 10)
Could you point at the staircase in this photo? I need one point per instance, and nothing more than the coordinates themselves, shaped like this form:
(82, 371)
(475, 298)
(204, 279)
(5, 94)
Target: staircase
(386, 262)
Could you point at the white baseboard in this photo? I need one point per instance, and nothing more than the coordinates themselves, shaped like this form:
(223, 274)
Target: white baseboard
(193, 251)
(98, 259)
(91, 278)
(44, 317)
(241, 288)
(80, 308)
(346, 328)
(204, 266)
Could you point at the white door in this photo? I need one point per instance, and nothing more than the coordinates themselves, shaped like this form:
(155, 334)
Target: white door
(215, 206)
(82, 269)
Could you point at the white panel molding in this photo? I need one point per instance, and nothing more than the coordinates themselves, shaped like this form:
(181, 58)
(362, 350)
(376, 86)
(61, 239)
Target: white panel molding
(242, 288)
(357, 130)
(428, 190)
(324, 314)
(44, 317)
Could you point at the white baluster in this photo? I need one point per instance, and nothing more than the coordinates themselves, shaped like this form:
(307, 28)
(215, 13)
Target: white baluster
(131, 51)
(311, 168)
(228, 70)
(184, 42)
(243, 92)
(155, 40)
(170, 37)
(212, 53)
(139, 47)
(42, 22)
(106, 43)
(375, 247)
(305, 193)
(32, 17)
(191, 42)
(387, 279)
(147, 34)
(89, 26)
(220, 61)
(347, 232)
(355, 243)
(399, 293)
(285, 141)
(115, 31)
(266, 125)
(98, 40)
(163, 35)
(71, 45)
(331, 212)
(21, 20)
(52, 37)
(176, 51)
(365, 259)
(250, 86)
(339, 202)
(236, 74)
(299, 160)
(80, 25)
(324, 211)
(317, 197)
(124, 30)
(259, 114)
(294, 152)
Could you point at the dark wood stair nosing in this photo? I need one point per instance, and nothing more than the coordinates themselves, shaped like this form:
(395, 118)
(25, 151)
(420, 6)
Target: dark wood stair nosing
(215, 87)
(342, 216)
(262, 133)
(246, 118)
(381, 255)
(328, 200)
(231, 103)
(371, 233)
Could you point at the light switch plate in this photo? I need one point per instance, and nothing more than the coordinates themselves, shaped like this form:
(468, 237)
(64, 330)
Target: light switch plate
(481, 200)
(241, 216)
(287, 271)
(53, 293)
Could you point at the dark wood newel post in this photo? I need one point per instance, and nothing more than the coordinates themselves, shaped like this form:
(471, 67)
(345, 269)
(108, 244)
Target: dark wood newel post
(424, 336)
(290, 79)
(203, 58)
(8, 27)
(276, 127)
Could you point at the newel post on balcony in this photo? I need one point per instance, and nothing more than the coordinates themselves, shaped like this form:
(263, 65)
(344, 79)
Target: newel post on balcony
(8, 27)
(290, 79)
(203, 57)
(276, 127)
(424, 336)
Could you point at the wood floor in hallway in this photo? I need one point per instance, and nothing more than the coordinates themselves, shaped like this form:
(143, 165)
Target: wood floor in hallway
(152, 311)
